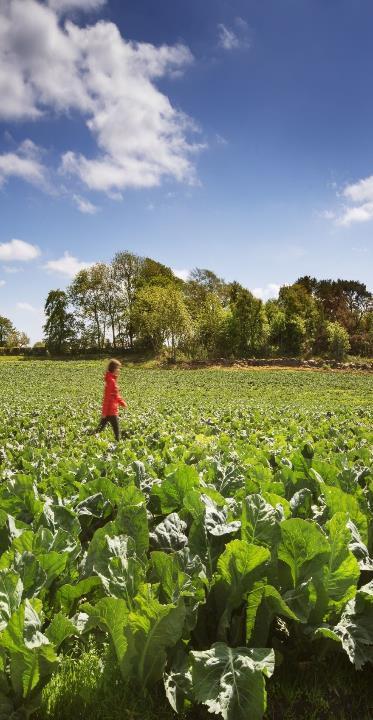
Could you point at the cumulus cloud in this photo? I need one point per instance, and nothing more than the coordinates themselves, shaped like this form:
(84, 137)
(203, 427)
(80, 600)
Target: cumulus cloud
(48, 67)
(24, 163)
(18, 250)
(358, 214)
(65, 6)
(236, 37)
(269, 291)
(67, 265)
(84, 205)
(358, 206)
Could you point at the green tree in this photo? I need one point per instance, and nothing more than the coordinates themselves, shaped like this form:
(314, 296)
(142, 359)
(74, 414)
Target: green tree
(126, 268)
(203, 281)
(88, 293)
(248, 323)
(155, 273)
(17, 339)
(59, 329)
(301, 318)
(208, 323)
(162, 317)
(6, 329)
(338, 340)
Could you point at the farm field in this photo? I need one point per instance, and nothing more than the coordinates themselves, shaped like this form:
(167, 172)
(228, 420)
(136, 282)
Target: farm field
(218, 560)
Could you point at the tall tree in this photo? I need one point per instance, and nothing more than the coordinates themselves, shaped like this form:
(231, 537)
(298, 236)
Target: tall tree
(6, 329)
(209, 282)
(248, 325)
(162, 317)
(155, 273)
(126, 273)
(88, 292)
(209, 322)
(59, 328)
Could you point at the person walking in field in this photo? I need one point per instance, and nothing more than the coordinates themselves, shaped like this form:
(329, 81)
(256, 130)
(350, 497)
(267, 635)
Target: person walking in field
(112, 400)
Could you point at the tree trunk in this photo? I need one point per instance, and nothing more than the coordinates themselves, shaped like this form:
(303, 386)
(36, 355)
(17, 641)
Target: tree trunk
(113, 331)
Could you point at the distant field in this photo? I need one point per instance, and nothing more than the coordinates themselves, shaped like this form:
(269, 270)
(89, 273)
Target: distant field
(230, 529)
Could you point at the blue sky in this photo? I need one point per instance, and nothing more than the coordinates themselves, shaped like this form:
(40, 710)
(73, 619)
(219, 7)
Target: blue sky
(230, 135)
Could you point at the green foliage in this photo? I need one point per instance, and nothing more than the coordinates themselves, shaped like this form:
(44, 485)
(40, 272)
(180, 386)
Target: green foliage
(338, 340)
(59, 329)
(234, 519)
(230, 680)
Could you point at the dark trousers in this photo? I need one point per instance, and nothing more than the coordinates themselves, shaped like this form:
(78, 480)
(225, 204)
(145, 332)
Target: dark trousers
(114, 422)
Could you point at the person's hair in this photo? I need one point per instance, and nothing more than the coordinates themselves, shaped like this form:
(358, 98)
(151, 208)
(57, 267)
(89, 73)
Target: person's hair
(113, 365)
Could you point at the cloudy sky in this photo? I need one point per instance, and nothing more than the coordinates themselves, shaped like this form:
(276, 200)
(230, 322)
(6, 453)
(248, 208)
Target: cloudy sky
(232, 135)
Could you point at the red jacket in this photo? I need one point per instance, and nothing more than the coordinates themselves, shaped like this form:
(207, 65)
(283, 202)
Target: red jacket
(112, 398)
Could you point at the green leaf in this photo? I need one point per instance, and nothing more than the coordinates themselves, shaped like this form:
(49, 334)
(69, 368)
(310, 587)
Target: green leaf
(238, 563)
(337, 581)
(355, 628)
(301, 502)
(358, 548)
(60, 629)
(67, 594)
(111, 614)
(177, 483)
(180, 576)
(230, 680)
(151, 629)
(132, 519)
(178, 682)
(259, 521)
(303, 548)
(32, 658)
(11, 589)
(239, 566)
(210, 531)
(339, 501)
(55, 517)
(264, 603)
(169, 534)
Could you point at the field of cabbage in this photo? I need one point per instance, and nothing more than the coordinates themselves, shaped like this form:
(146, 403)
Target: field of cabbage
(227, 537)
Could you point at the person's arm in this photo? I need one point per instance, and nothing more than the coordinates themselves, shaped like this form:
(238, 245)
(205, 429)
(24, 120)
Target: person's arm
(118, 396)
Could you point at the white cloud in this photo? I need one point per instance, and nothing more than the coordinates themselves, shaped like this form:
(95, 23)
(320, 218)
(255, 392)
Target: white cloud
(84, 205)
(64, 6)
(360, 209)
(47, 67)
(234, 39)
(67, 265)
(18, 250)
(24, 163)
(182, 274)
(29, 308)
(360, 250)
(360, 192)
(358, 214)
(220, 140)
(11, 269)
(265, 293)
(326, 214)
(227, 38)
(2, 283)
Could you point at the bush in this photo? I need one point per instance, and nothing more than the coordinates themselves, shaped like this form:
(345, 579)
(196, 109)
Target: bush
(338, 341)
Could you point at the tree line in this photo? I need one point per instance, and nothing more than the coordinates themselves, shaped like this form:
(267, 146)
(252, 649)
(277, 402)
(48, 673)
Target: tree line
(136, 303)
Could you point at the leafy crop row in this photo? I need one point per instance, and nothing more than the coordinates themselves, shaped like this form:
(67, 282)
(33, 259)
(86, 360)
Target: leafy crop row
(229, 531)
